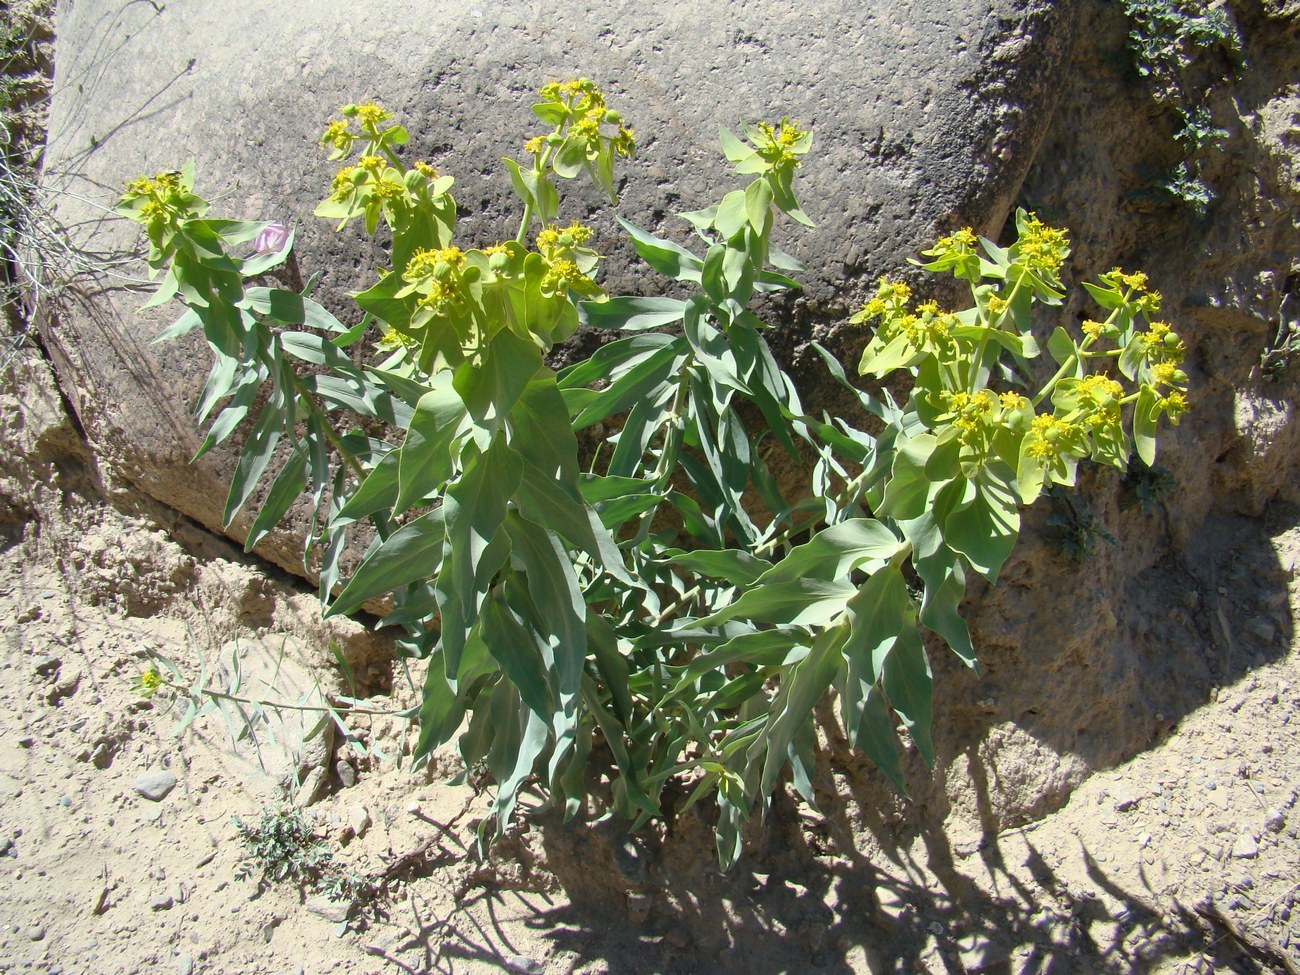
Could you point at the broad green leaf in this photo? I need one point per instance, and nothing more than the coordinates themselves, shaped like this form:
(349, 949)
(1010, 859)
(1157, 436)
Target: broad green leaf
(908, 490)
(378, 492)
(491, 388)
(758, 201)
(663, 255)
(835, 551)
(631, 314)
(985, 527)
(805, 602)
(1145, 412)
(1061, 346)
(874, 734)
(426, 458)
(801, 688)
(410, 554)
(514, 645)
(735, 566)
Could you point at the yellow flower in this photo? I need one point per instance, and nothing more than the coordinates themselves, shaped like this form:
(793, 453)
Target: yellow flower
(1092, 329)
(336, 133)
(1013, 401)
(997, 305)
(495, 249)
(562, 274)
(425, 170)
(535, 145)
(370, 114)
(372, 164)
(150, 681)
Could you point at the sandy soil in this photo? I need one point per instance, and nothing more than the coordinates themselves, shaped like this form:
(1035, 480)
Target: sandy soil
(1183, 860)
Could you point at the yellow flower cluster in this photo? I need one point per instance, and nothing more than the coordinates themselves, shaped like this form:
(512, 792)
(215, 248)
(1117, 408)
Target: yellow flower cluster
(1042, 248)
(586, 104)
(437, 263)
(1050, 437)
(551, 239)
(562, 275)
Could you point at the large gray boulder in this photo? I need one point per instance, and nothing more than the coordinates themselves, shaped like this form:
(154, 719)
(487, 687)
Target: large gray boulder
(926, 114)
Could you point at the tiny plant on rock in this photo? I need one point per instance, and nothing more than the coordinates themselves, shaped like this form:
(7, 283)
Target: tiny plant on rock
(669, 613)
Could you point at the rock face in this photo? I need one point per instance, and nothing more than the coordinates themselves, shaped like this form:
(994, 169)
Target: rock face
(926, 115)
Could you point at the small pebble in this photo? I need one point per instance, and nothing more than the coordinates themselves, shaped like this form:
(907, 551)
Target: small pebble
(347, 775)
(163, 902)
(529, 966)
(155, 786)
(1245, 848)
(185, 965)
(34, 932)
(1274, 821)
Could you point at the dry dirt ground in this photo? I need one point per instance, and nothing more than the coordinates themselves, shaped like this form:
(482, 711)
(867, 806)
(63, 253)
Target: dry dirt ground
(1183, 860)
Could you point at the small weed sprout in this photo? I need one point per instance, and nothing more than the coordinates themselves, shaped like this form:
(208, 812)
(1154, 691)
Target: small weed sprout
(282, 846)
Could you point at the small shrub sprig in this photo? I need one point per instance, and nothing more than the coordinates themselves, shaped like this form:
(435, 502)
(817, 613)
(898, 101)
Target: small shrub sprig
(669, 614)
(1169, 41)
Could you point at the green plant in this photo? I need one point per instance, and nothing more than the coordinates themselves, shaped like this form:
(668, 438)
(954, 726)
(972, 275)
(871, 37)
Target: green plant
(1167, 38)
(672, 613)
(282, 846)
(1073, 530)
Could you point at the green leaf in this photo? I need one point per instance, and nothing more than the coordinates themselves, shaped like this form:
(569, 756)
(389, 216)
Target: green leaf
(835, 551)
(410, 554)
(1062, 347)
(1145, 412)
(514, 646)
(663, 255)
(758, 202)
(874, 734)
(559, 611)
(491, 389)
(985, 526)
(1105, 297)
(631, 314)
(570, 158)
(426, 458)
(908, 490)
(735, 566)
(378, 492)
(805, 602)
(475, 507)
(791, 709)
(908, 684)
(735, 150)
(732, 213)
(291, 308)
(285, 490)
(254, 458)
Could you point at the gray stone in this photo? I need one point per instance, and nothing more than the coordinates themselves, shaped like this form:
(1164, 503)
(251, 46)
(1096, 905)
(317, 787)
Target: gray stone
(524, 965)
(347, 775)
(359, 820)
(1124, 800)
(926, 117)
(185, 965)
(35, 932)
(330, 910)
(1245, 848)
(1275, 821)
(155, 786)
(163, 902)
(46, 666)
